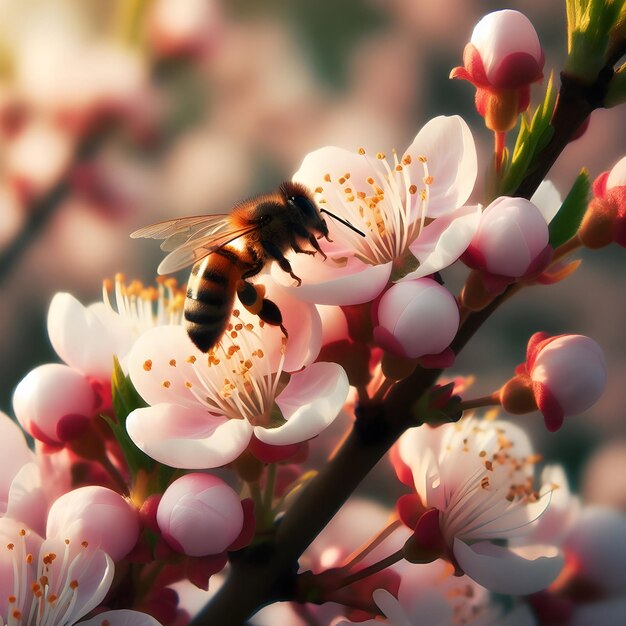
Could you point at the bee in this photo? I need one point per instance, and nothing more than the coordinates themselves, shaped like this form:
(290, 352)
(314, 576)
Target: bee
(226, 250)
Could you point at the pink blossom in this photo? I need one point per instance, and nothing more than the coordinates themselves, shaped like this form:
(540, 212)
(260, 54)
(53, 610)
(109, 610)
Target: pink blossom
(76, 574)
(504, 57)
(605, 220)
(408, 210)
(122, 617)
(204, 408)
(97, 515)
(431, 594)
(53, 402)
(200, 514)
(511, 241)
(596, 547)
(478, 477)
(568, 374)
(416, 318)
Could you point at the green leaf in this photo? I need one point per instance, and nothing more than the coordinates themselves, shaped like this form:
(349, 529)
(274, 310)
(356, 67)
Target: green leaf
(125, 400)
(533, 134)
(566, 222)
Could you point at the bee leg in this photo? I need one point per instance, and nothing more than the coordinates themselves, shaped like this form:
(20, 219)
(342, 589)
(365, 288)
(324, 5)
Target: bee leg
(271, 314)
(317, 246)
(279, 257)
(296, 248)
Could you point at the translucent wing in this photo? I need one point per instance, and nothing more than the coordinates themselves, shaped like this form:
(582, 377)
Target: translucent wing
(190, 239)
(178, 231)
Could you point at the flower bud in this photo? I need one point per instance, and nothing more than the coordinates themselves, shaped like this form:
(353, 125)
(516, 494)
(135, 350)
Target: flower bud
(97, 515)
(416, 318)
(568, 373)
(511, 240)
(199, 514)
(605, 219)
(52, 401)
(504, 57)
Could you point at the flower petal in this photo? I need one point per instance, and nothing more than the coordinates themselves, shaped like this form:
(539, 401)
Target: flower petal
(514, 571)
(448, 145)
(86, 338)
(310, 402)
(187, 437)
(444, 240)
(326, 283)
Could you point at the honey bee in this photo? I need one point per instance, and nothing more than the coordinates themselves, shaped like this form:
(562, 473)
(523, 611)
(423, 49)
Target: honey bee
(228, 249)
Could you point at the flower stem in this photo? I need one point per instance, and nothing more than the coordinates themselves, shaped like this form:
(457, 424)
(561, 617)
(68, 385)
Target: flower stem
(493, 399)
(374, 568)
(358, 555)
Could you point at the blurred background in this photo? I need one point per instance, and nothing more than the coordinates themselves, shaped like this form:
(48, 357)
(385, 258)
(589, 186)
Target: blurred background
(118, 113)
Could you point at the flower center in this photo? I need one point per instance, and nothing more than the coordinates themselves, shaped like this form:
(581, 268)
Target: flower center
(390, 208)
(145, 307)
(44, 590)
(239, 377)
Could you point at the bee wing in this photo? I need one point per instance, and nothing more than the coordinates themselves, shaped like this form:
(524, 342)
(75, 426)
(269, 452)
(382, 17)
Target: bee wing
(201, 244)
(178, 231)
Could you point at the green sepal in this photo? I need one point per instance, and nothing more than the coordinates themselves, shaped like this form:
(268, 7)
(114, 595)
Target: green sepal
(533, 135)
(425, 410)
(125, 400)
(568, 218)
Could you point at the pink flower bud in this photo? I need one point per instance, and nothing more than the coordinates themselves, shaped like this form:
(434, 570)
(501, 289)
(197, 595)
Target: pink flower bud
(416, 318)
(511, 241)
(504, 57)
(509, 49)
(97, 515)
(199, 515)
(52, 401)
(568, 374)
(609, 189)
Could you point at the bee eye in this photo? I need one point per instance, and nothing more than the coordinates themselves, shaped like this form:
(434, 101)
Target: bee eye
(304, 204)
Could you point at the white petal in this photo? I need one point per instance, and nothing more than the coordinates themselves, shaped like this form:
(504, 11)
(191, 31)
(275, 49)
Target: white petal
(337, 162)
(444, 240)
(391, 608)
(14, 453)
(448, 145)
(327, 283)
(507, 570)
(149, 365)
(310, 402)
(82, 340)
(188, 438)
(27, 501)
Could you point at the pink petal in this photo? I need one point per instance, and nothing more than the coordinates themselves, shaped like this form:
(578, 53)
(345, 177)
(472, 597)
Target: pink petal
(149, 365)
(310, 402)
(337, 162)
(27, 499)
(547, 199)
(14, 454)
(448, 145)
(327, 283)
(187, 437)
(444, 240)
(86, 338)
(519, 571)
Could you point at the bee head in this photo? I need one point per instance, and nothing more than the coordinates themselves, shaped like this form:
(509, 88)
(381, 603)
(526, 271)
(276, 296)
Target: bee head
(299, 199)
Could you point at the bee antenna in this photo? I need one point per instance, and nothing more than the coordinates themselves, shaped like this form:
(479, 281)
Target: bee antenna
(344, 222)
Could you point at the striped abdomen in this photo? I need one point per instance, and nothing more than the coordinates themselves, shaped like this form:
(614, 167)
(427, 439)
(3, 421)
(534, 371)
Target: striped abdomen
(210, 296)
